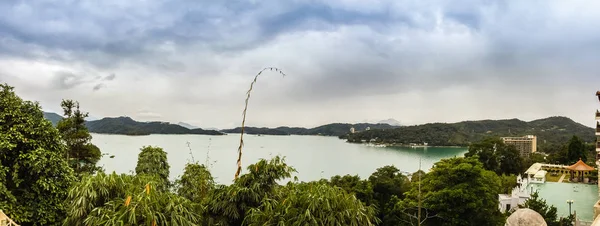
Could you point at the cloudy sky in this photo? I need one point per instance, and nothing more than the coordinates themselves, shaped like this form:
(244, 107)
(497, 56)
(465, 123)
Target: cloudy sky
(345, 60)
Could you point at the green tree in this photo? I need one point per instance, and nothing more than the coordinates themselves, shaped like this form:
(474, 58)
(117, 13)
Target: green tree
(457, 191)
(149, 206)
(195, 183)
(510, 160)
(228, 205)
(312, 204)
(507, 183)
(153, 161)
(417, 176)
(485, 151)
(82, 154)
(388, 183)
(362, 189)
(496, 156)
(539, 205)
(94, 191)
(34, 175)
(534, 158)
(576, 150)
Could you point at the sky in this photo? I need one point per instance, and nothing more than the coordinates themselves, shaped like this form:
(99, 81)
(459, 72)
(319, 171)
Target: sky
(344, 60)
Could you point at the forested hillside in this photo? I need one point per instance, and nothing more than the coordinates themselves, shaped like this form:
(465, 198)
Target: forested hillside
(552, 130)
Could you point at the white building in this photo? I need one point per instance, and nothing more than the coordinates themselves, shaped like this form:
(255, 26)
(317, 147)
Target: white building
(535, 174)
(518, 196)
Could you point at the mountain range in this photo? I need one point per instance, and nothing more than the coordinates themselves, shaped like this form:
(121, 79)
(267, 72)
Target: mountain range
(128, 126)
(333, 129)
(549, 131)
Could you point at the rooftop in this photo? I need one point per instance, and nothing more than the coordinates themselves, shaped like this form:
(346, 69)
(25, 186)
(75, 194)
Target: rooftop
(533, 169)
(580, 166)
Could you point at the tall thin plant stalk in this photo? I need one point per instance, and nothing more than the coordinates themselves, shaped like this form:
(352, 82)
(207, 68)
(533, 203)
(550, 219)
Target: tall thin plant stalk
(208, 154)
(191, 154)
(239, 160)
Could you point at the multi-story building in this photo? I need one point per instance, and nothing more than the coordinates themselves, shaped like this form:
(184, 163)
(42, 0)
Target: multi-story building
(526, 144)
(597, 205)
(598, 133)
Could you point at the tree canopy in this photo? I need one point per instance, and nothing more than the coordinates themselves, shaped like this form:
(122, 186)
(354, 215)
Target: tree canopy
(576, 150)
(457, 191)
(153, 161)
(81, 154)
(34, 175)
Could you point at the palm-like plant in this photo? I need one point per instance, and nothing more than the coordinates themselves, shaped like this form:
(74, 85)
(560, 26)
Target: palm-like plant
(312, 204)
(195, 183)
(95, 191)
(227, 205)
(148, 207)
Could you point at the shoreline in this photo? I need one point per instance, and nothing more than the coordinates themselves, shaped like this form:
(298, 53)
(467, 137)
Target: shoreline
(410, 146)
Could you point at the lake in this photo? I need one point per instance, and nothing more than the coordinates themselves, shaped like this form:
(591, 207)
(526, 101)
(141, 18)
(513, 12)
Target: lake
(314, 157)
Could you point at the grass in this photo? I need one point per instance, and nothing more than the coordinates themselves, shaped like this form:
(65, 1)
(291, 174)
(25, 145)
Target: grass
(552, 178)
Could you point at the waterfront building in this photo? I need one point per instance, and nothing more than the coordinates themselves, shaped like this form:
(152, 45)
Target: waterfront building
(518, 196)
(597, 205)
(526, 144)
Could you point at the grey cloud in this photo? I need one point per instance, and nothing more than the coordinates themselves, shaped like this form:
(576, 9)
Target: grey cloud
(98, 87)
(330, 50)
(110, 77)
(66, 80)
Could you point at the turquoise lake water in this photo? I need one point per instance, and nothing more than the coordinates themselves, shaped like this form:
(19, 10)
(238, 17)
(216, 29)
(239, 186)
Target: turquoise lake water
(557, 194)
(314, 157)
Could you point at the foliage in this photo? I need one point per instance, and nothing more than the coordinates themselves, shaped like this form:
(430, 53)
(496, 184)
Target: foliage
(539, 205)
(387, 183)
(312, 204)
(34, 175)
(82, 154)
(128, 126)
(417, 176)
(228, 205)
(146, 207)
(95, 191)
(457, 191)
(576, 150)
(552, 130)
(362, 189)
(507, 183)
(195, 183)
(153, 161)
(533, 158)
(497, 156)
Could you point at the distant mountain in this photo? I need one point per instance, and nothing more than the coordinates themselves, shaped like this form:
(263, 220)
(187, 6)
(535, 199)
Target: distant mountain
(256, 130)
(334, 129)
(552, 130)
(53, 117)
(391, 121)
(187, 125)
(128, 126)
(92, 118)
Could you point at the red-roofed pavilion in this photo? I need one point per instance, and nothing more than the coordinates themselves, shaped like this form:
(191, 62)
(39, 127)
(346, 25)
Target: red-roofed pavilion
(578, 169)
